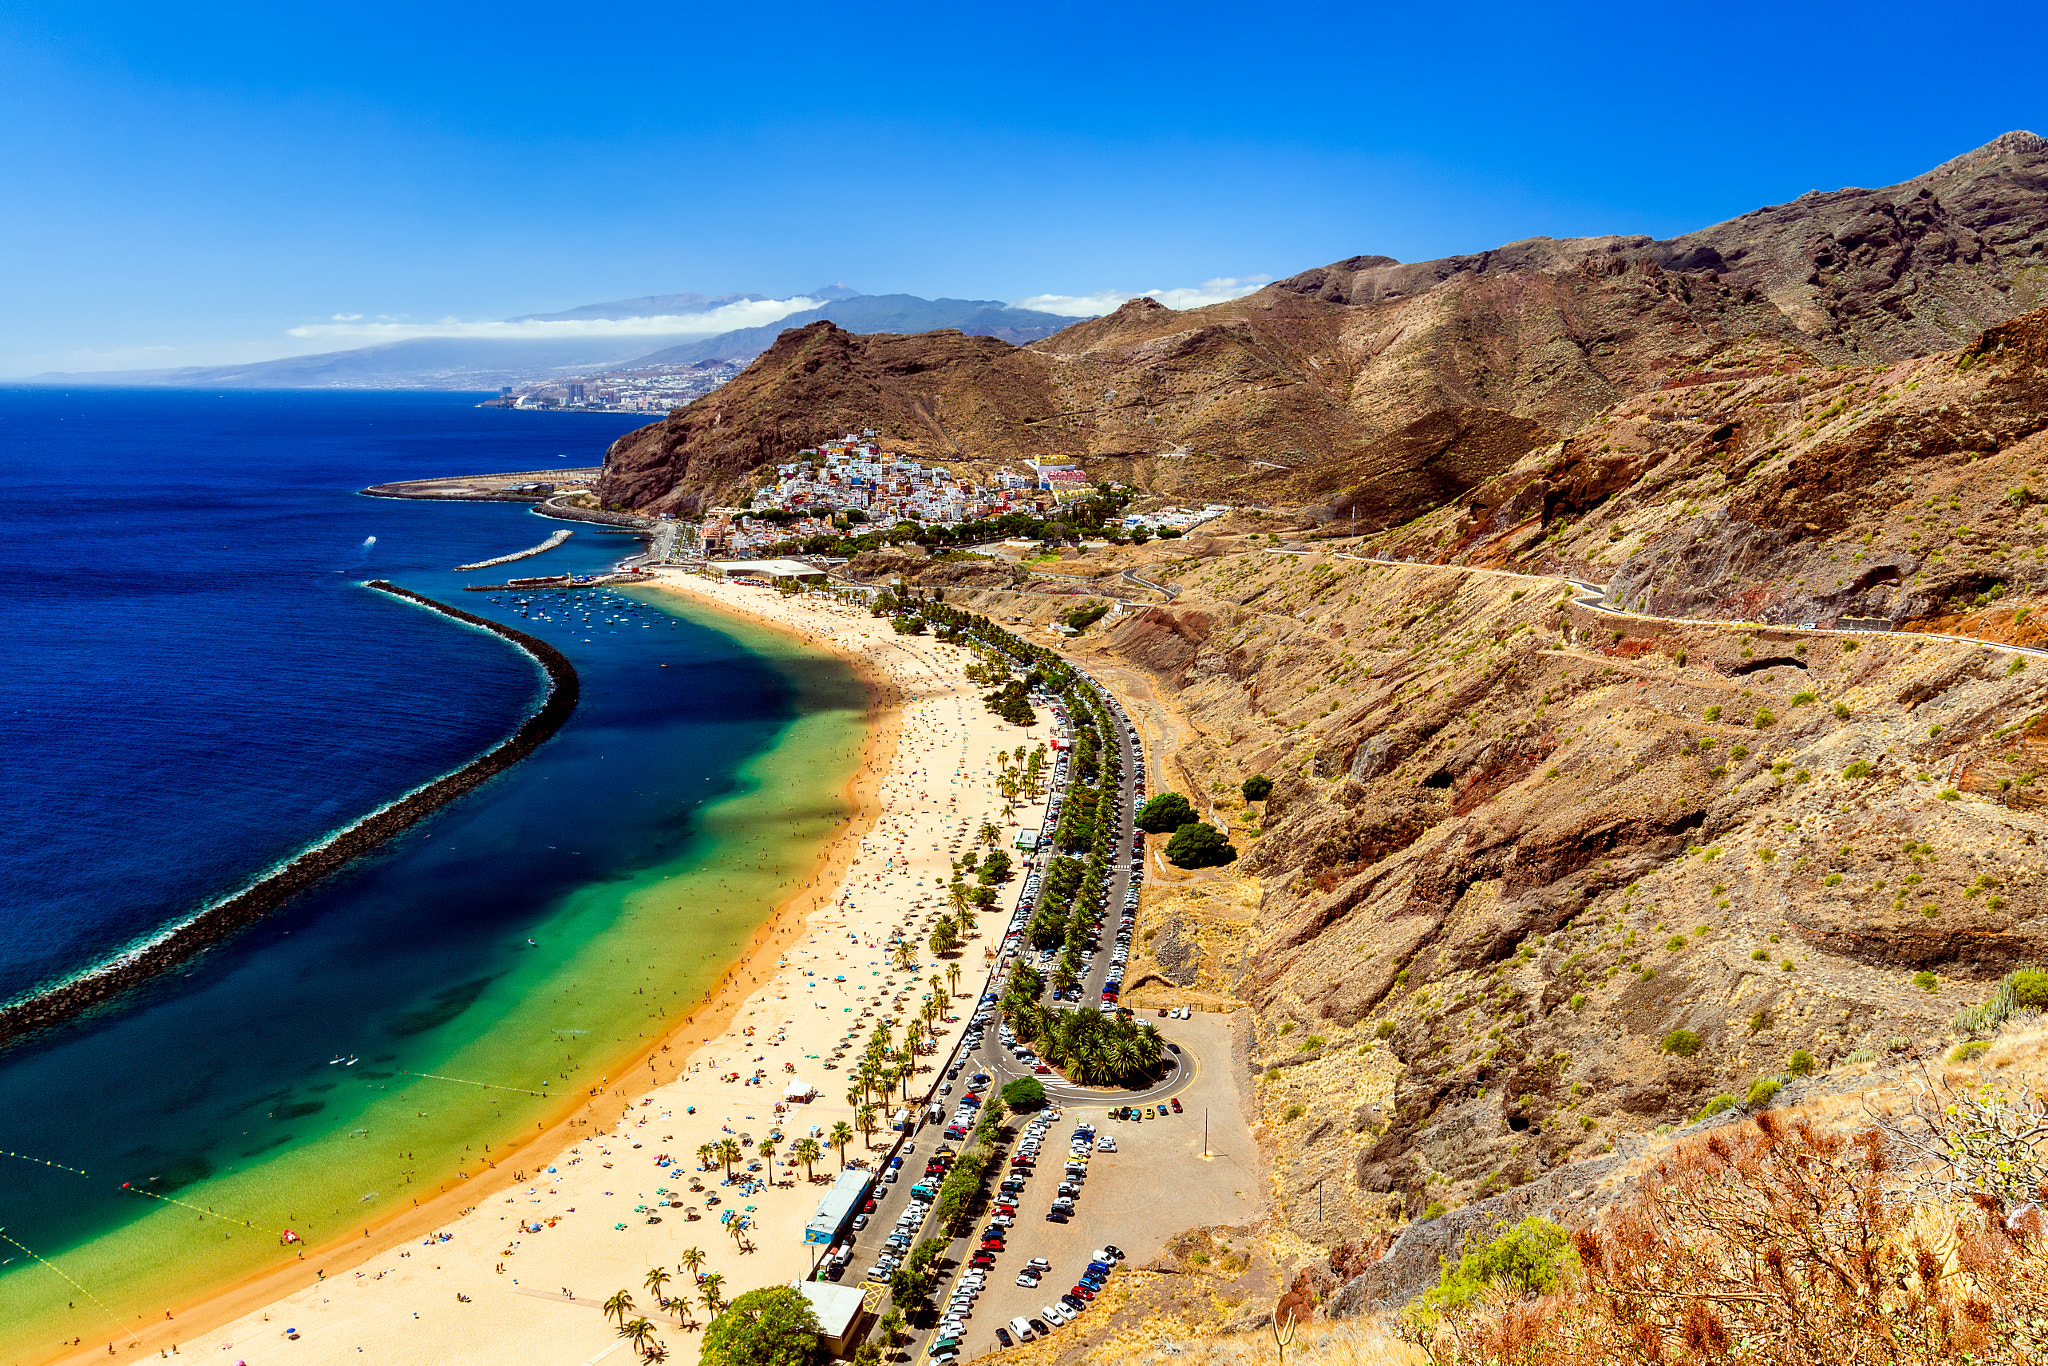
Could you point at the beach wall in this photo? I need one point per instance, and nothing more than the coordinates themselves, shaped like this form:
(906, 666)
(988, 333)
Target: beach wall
(216, 922)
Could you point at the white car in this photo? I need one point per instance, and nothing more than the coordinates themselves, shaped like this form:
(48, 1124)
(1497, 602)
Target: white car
(1028, 1280)
(1054, 1315)
(1105, 1144)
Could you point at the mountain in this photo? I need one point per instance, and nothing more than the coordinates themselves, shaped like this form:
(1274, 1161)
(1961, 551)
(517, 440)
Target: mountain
(874, 313)
(1408, 384)
(487, 363)
(420, 363)
(647, 306)
(1546, 872)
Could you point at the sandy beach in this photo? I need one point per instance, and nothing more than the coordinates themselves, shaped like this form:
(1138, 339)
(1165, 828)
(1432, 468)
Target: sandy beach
(514, 1262)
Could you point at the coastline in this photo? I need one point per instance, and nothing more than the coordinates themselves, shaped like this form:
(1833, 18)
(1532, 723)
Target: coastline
(661, 1059)
(928, 733)
(100, 983)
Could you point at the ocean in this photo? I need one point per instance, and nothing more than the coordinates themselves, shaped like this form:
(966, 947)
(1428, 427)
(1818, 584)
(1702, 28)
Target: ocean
(199, 687)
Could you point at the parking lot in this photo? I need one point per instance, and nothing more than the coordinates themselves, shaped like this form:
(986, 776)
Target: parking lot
(1155, 1185)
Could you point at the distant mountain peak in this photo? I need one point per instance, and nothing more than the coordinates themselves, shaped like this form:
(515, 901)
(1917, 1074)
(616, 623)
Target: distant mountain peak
(838, 289)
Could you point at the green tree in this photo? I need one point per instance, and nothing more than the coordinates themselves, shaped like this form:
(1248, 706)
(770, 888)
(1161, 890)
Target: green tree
(1258, 788)
(945, 935)
(771, 1327)
(808, 1152)
(1200, 845)
(841, 1135)
(1167, 811)
(656, 1279)
(1025, 1093)
(619, 1305)
(910, 1285)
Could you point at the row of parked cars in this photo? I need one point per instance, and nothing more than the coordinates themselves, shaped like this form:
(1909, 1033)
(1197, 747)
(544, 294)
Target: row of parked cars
(1094, 1277)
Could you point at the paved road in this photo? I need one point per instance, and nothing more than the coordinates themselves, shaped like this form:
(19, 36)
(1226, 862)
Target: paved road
(1593, 597)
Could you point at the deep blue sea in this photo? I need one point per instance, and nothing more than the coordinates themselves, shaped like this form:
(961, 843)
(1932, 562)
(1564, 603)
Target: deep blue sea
(196, 686)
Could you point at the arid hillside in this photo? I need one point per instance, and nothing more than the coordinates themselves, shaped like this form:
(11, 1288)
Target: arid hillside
(1515, 847)
(1907, 492)
(1408, 383)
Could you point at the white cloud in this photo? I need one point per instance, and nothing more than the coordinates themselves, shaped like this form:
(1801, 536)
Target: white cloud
(759, 313)
(1109, 300)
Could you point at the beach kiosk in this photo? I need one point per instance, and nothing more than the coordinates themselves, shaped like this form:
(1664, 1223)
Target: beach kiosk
(837, 1209)
(799, 1092)
(840, 1309)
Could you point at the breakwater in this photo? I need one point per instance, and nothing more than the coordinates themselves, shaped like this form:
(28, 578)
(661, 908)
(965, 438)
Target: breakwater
(213, 923)
(549, 544)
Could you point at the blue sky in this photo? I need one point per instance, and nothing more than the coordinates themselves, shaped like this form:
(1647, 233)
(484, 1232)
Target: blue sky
(188, 183)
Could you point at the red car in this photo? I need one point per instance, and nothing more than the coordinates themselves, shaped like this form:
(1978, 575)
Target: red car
(868, 1208)
(1083, 1292)
(1176, 1104)
(982, 1259)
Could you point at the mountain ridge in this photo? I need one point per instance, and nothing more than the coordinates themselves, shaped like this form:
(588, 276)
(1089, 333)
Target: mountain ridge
(1309, 384)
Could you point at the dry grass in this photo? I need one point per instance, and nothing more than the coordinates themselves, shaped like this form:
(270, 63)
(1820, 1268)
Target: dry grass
(1361, 1342)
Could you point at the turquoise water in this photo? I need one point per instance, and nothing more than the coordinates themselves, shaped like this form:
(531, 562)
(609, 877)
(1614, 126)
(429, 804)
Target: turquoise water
(189, 715)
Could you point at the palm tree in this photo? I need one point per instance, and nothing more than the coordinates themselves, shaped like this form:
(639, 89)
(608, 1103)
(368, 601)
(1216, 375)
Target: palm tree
(707, 1290)
(807, 1152)
(953, 977)
(841, 1135)
(619, 1305)
(906, 955)
(637, 1332)
(707, 1154)
(692, 1258)
(656, 1279)
(767, 1150)
(864, 1120)
(729, 1153)
(915, 1033)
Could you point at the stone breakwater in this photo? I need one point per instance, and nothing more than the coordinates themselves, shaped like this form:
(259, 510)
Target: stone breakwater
(549, 544)
(214, 923)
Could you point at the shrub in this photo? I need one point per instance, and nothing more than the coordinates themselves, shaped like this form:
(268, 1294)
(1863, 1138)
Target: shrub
(1800, 1064)
(1294, 1112)
(1675, 943)
(1762, 1092)
(1578, 1001)
(2030, 988)
(1926, 981)
(1257, 788)
(1763, 719)
(1965, 1052)
(1841, 711)
(1713, 713)
(1804, 699)
(1738, 753)
(1760, 956)
(1167, 811)
(1385, 1030)
(1718, 1105)
(1859, 768)
(1531, 1258)
(1286, 1027)
(1682, 1043)
(2016, 666)
(1831, 880)
(1200, 845)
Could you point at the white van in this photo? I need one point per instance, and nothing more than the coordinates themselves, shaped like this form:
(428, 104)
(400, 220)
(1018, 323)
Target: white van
(1021, 1330)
